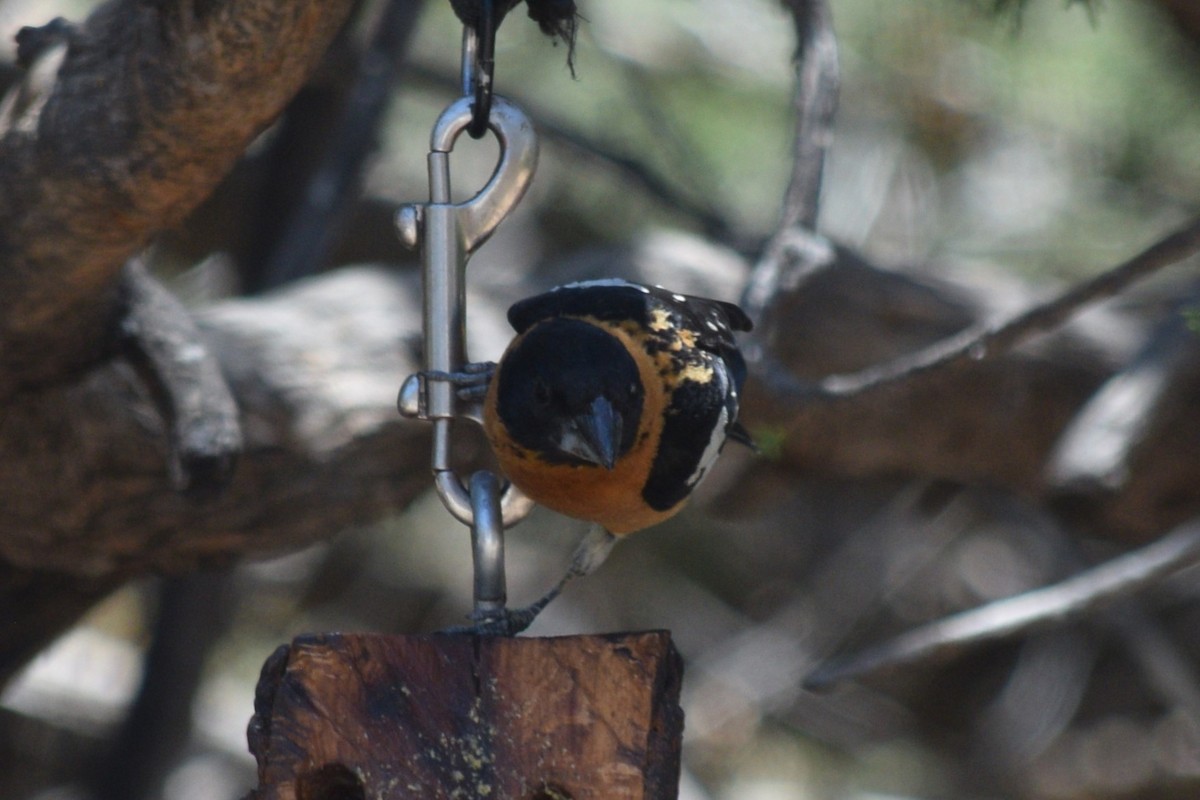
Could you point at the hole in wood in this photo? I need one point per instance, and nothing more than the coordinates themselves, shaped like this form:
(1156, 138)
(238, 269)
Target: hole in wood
(330, 782)
(551, 792)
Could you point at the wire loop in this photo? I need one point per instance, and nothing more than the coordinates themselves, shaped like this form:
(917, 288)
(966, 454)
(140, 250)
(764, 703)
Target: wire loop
(479, 67)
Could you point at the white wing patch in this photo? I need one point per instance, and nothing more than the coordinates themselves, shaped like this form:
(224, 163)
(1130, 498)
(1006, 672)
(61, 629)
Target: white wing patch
(716, 438)
(711, 451)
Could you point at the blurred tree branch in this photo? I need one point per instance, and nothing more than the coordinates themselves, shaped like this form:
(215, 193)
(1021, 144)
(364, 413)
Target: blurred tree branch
(90, 501)
(986, 341)
(314, 369)
(1025, 612)
(886, 410)
(119, 133)
(1185, 14)
(814, 103)
(320, 214)
(162, 343)
(795, 251)
(119, 128)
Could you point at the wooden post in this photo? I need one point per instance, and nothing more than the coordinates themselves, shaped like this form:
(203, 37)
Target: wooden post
(349, 717)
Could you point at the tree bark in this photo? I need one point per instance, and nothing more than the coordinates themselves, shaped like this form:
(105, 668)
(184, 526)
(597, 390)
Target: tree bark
(315, 370)
(125, 124)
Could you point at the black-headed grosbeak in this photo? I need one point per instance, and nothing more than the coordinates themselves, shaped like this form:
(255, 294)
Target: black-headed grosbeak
(612, 403)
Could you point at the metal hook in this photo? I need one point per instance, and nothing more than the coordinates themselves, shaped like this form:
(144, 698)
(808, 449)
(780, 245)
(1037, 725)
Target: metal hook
(448, 234)
(479, 67)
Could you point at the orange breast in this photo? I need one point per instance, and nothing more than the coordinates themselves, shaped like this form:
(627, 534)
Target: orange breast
(612, 498)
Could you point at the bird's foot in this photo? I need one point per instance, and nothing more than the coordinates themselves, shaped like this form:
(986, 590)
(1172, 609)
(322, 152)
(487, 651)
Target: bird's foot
(471, 382)
(589, 555)
(508, 621)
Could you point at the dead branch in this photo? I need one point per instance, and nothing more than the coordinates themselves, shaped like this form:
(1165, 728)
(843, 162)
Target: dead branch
(814, 102)
(89, 499)
(795, 251)
(335, 184)
(185, 381)
(135, 120)
(1026, 612)
(981, 342)
(1098, 448)
(906, 400)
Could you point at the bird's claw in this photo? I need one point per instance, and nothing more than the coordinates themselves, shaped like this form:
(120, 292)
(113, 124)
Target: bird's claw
(470, 383)
(504, 622)
(508, 621)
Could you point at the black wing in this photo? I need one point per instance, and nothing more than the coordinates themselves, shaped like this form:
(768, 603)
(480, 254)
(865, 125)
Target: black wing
(712, 322)
(607, 300)
(614, 299)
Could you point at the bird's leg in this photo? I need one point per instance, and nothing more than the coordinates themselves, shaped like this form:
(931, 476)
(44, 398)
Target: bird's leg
(737, 432)
(589, 555)
(470, 382)
(591, 552)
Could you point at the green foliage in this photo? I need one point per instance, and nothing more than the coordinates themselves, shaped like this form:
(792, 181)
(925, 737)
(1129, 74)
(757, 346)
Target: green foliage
(1016, 7)
(1191, 316)
(769, 440)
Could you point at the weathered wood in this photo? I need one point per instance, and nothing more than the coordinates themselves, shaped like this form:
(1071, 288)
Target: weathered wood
(460, 716)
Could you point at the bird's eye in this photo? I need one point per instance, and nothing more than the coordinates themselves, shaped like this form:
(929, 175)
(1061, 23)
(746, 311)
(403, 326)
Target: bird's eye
(633, 389)
(541, 392)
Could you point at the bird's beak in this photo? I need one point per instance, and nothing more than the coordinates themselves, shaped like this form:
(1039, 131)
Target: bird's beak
(595, 435)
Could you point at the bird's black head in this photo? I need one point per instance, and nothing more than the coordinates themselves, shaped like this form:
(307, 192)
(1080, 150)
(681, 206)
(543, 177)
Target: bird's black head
(571, 392)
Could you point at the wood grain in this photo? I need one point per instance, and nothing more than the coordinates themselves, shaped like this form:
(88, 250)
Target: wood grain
(459, 716)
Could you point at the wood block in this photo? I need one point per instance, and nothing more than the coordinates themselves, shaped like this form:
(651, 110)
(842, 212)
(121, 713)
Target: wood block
(344, 717)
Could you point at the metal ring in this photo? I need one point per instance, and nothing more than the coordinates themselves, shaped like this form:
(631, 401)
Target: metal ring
(514, 505)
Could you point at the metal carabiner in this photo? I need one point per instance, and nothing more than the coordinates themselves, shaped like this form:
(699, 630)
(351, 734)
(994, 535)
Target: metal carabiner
(447, 234)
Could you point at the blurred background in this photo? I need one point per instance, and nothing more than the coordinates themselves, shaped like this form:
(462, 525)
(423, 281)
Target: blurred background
(1012, 147)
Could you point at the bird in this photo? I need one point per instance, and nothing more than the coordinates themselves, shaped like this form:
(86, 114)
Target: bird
(612, 403)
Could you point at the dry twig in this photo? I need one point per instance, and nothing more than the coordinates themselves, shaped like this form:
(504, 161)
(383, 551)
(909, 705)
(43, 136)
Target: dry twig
(1054, 604)
(815, 103)
(985, 341)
